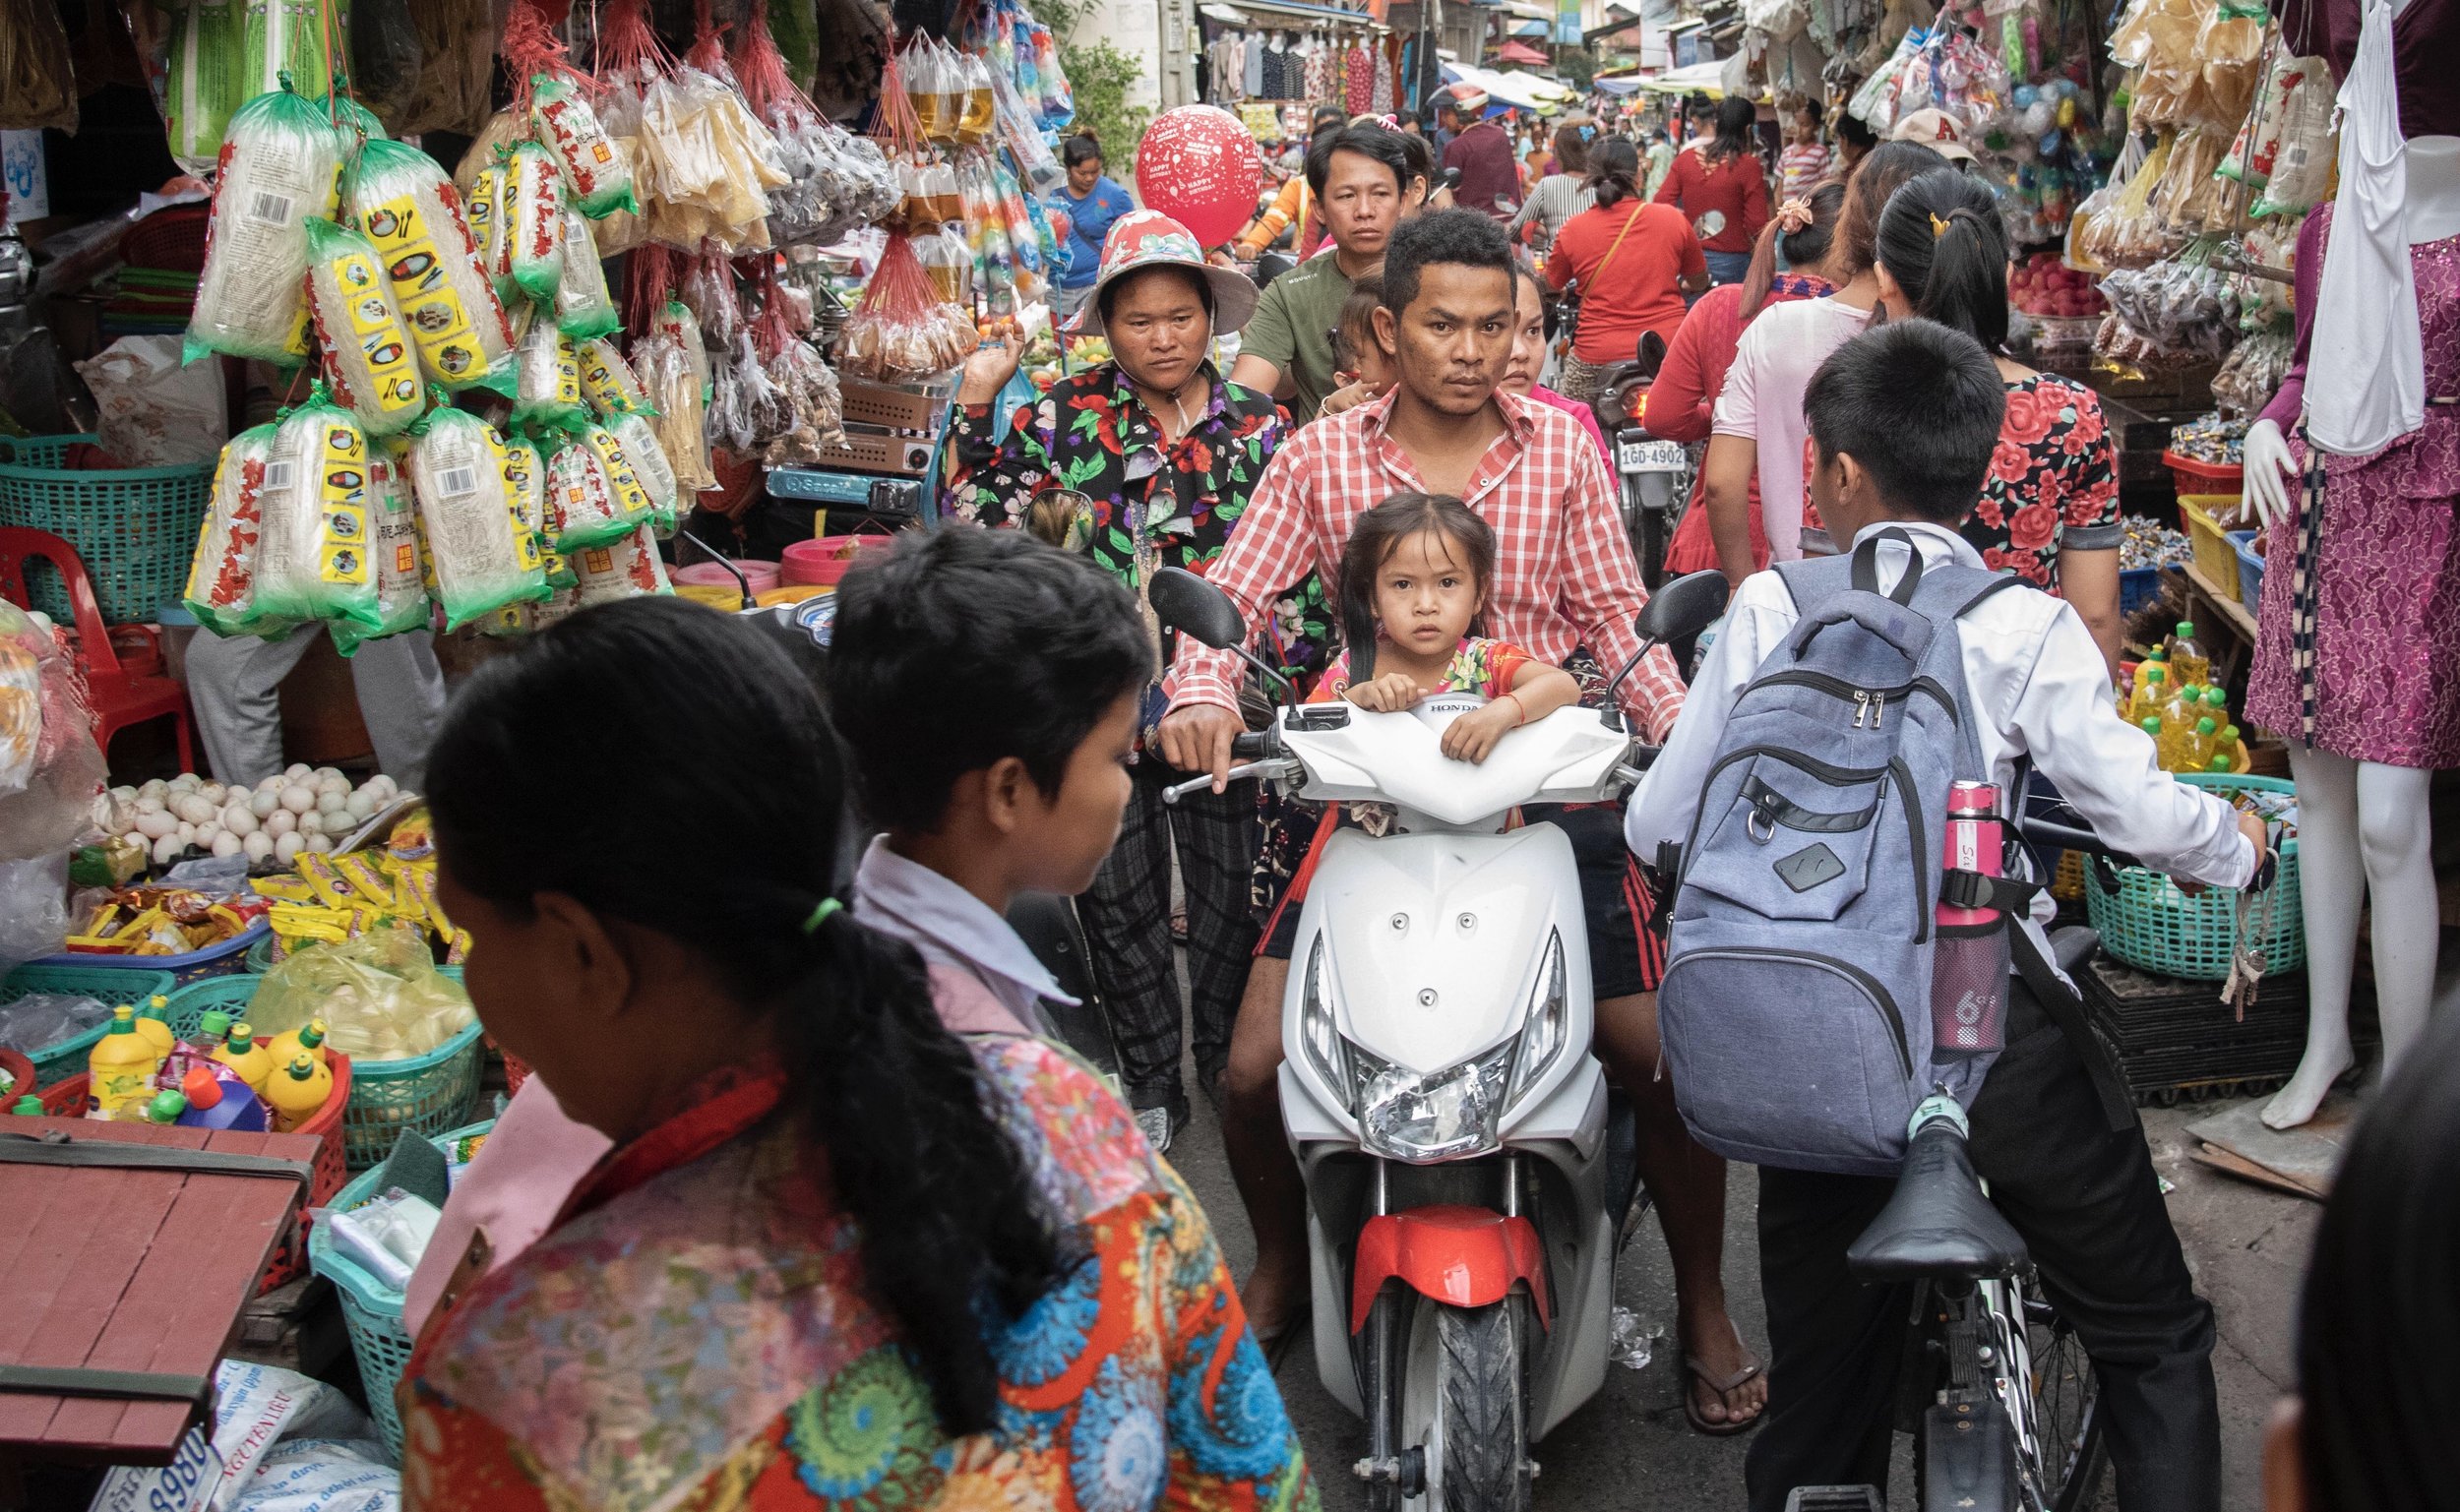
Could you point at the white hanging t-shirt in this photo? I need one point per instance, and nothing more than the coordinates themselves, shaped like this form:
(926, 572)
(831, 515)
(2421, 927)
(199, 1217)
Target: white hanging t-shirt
(2365, 367)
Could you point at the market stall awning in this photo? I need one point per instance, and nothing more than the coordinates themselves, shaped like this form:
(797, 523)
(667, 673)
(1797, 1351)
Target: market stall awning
(1321, 15)
(1618, 87)
(1699, 77)
(1531, 28)
(1520, 52)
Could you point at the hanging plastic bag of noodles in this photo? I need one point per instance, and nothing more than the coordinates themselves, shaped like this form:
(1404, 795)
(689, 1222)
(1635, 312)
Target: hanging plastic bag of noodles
(401, 603)
(627, 567)
(353, 120)
(601, 179)
(549, 388)
(649, 465)
(608, 381)
(583, 308)
(280, 169)
(224, 54)
(221, 581)
(414, 215)
(679, 417)
(480, 553)
(490, 231)
(368, 356)
(313, 562)
(534, 200)
(594, 495)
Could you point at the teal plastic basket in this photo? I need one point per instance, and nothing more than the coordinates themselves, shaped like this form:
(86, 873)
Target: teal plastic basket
(216, 960)
(108, 984)
(425, 1094)
(2149, 924)
(135, 528)
(371, 1309)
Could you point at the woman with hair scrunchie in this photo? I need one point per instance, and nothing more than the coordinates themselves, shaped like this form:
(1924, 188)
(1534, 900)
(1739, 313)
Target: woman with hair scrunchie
(838, 1254)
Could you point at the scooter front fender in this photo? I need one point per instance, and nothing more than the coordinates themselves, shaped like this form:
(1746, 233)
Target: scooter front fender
(1461, 1256)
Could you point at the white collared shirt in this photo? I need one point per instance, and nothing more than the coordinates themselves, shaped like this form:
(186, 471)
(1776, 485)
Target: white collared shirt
(950, 927)
(2041, 688)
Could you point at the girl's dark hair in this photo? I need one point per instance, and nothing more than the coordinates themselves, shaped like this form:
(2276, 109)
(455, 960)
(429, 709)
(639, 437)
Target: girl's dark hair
(1615, 172)
(1419, 156)
(1372, 540)
(1798, 249)
(1356, 323)
(2383, 1299)
(1881, 173)
(1572, 148)
(1521, 270)
(1735, 119)
(1942, 240)
(1080, 149)
(953, 1232)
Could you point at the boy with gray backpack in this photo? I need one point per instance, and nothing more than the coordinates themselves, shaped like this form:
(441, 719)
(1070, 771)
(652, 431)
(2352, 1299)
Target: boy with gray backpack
(1826, 971)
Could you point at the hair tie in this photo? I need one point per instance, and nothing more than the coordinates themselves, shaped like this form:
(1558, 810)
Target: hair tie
(1793, 215)
(1938, 229)
(820, 915)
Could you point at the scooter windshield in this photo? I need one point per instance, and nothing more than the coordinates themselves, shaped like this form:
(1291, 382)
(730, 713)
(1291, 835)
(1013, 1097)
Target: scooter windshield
(1568, 756)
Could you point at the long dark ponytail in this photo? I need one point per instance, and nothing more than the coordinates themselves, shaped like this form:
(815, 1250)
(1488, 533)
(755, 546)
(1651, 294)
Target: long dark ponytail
(1735, 118)
(735, 868)
(1614, 172)
(1372, 540)
(1942, 240)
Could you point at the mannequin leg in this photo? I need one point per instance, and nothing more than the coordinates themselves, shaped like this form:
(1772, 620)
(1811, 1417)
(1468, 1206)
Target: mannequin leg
(2331, 880)
(2393, 833)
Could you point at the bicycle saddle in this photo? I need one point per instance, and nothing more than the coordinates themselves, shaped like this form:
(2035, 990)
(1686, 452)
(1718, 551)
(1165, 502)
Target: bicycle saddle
(1938, 1226)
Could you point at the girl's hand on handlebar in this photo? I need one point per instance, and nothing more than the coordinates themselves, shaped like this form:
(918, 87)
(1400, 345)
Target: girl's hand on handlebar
(1389, 694)
(1472, 737)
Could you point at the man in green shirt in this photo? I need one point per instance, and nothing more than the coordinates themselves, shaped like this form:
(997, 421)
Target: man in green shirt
(1360, 176)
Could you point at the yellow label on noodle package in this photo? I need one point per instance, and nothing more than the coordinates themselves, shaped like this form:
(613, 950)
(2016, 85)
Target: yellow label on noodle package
(478, 211)
(379, 334)
(567, 372)
(342, 554)
(630, 497)
(431, 309)
(514, 464)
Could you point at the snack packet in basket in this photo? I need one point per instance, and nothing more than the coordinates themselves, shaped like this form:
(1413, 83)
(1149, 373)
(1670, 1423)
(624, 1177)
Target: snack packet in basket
(480, 553)
(221, 581)
(314, 558)
(280, 166)
(367, 351)
(412, 213)
(602, 178)
(400, 588)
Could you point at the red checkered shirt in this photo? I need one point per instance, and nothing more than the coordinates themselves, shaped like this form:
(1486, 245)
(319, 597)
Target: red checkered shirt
(1564, 571)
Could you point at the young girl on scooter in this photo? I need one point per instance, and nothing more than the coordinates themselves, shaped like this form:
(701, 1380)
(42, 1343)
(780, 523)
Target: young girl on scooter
(1413, 579)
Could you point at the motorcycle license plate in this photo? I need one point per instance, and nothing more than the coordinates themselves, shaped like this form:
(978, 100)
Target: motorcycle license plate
(1647, 456)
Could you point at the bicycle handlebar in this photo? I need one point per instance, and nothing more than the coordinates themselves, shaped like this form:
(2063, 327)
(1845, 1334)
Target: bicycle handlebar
(2069, 837)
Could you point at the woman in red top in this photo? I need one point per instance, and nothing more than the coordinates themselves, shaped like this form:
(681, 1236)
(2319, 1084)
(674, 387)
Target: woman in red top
(1631, 262)
(1725, 176)
(1683, 403)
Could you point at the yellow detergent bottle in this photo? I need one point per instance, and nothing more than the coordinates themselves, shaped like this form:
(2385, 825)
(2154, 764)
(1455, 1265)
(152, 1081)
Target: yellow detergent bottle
(150, 1023)
(120, 1067)
(2188, 661)
(2152, 690)
(245, 1056)
(297, 1091)
(310, 1038)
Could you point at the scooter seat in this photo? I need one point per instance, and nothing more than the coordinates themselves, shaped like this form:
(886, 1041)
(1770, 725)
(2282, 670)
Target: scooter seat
(1938, 1226)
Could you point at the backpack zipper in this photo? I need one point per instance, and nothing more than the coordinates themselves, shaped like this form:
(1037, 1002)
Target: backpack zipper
(1822, 770)
(1921, 850)
(1867, 700)
(1889, 1014)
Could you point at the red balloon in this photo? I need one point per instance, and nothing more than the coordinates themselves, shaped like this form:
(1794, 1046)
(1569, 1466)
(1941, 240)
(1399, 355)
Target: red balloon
(1199, 166)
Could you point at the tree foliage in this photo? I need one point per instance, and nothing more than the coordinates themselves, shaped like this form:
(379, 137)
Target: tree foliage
(1099, 74)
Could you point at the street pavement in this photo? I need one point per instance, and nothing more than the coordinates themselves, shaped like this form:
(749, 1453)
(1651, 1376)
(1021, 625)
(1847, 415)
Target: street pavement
(1631, 1448)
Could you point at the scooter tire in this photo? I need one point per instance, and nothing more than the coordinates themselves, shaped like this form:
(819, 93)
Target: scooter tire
(1482, 1397)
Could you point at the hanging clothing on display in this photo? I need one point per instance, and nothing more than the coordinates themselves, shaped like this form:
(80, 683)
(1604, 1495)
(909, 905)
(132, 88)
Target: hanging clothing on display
(1385, 100)
(1251, 85)
(1358, 72)
(2369, 369)
(1318, 71)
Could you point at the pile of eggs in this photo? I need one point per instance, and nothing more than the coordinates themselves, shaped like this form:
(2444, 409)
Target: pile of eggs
(305, 809)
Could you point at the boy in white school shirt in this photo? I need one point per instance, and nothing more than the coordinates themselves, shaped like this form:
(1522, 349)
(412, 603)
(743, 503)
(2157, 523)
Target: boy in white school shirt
(1903, 421)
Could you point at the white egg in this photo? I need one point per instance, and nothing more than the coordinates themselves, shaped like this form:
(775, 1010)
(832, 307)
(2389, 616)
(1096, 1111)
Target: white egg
(207, 834)
(214, 792)
(360, 805)
(332, 803)
(189, 780)
(263, 804)
(280, 822)
(327, 773)
(195, 810)
(273, 784)
(150, 806)
(310, 823)
(320, 845)
(299, 771)
(187, 833)
(157, 824)
(259, 846)
(153, 789)
(239, 819)
(298, 798)
(384, 787)
(227, 844)
(286, 847)
(166, 850)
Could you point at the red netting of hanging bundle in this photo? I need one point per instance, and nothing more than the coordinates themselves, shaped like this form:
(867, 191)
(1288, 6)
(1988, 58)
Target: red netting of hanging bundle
(628, 44)
(761, 72)
(650, 280)
(708, 42)
(531, 48)
(894, 122)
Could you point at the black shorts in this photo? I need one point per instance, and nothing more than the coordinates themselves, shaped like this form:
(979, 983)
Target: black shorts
(1624, 957)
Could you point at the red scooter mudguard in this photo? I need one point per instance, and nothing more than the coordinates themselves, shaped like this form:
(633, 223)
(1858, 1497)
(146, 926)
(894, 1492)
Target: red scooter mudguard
(1461, 1256)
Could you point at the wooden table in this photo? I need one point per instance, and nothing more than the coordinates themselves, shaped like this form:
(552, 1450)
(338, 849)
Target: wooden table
(114, 1269)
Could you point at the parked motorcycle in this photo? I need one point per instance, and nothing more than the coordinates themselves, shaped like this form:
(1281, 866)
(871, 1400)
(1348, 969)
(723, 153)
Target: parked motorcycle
(1468, 1176)
(1656, 476)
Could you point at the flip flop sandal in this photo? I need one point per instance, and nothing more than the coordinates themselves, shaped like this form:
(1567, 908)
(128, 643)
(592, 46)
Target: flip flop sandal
(1290, 1333)
(1724, 1387)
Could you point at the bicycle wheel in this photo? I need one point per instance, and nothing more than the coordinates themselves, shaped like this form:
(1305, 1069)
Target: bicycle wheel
(2070, 1456)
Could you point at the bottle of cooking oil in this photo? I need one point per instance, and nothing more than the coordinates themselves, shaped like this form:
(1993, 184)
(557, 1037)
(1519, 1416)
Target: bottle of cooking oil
(2188, 661)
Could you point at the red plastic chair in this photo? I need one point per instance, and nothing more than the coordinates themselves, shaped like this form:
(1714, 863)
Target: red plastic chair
(121, 697)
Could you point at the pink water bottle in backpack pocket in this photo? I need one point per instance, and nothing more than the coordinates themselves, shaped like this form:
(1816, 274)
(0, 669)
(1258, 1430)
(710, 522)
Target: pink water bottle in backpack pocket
(1969, 972)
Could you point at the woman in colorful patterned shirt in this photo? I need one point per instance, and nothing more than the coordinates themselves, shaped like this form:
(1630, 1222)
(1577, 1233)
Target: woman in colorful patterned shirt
(1146, 461)
(838, 1256)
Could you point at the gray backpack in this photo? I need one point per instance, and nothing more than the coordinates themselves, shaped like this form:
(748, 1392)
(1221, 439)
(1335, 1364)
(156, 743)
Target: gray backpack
(1803, 954)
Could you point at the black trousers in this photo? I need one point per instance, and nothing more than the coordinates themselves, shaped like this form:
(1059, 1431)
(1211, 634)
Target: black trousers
(2089, 1206)
(1125, 915)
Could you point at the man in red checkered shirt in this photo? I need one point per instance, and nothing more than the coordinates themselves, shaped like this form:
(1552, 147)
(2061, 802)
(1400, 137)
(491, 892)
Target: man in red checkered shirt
(1564, 587)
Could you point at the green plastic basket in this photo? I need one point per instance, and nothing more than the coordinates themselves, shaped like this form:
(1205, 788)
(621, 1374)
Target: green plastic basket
(2149, 924)
(108, 984)
(371, 1309)
(422, 1095)
(135, 528)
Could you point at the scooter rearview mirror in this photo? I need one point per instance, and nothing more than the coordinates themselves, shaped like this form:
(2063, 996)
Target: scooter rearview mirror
(1685, 606)
(1191, 606)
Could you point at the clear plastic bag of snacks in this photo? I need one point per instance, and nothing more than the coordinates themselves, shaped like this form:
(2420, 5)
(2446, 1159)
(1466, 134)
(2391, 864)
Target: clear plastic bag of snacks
(2307, 150)
(583, 308)
(902, 331)
(413, 214)
(280, 169)
(221, 581)
(592, 495)
(481, 552)
(648, 464)
(367, 349)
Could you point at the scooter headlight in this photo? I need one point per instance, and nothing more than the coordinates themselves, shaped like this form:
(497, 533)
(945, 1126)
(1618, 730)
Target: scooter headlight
(1317, 1032)
(1542, 1032)
(1444, 1117)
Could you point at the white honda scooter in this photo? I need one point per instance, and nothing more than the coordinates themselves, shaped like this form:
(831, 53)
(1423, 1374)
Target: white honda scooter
(1466, 1183)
